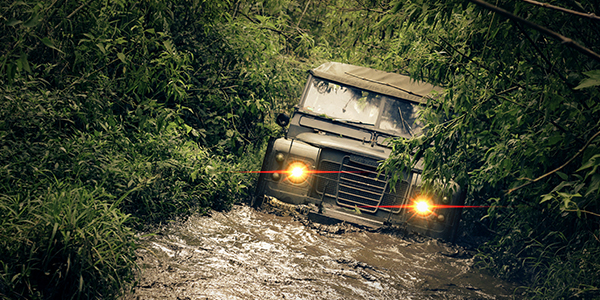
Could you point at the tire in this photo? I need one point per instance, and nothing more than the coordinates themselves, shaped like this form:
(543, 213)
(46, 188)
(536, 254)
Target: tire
(259, 192)
(454, 221)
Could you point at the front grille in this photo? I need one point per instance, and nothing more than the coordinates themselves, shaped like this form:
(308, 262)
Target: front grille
(392, 201)
(328, 181)
(354, 182)
(360, 185)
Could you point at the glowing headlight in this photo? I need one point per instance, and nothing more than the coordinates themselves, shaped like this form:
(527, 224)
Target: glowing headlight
(298, 172)
(422, 206)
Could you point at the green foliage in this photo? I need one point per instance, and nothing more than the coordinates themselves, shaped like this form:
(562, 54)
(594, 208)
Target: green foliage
(149, 108)
(71, 169)
(118, 115)
(517, 106)
(517, 123)
(593, 79)
(67, 242)
(188, 53)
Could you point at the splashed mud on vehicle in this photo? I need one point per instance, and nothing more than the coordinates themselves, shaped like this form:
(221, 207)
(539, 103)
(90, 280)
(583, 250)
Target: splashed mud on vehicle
(250, 254)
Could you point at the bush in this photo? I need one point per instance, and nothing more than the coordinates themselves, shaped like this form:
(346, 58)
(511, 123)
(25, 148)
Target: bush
(66, 187)
(124, 111)
(69, 242)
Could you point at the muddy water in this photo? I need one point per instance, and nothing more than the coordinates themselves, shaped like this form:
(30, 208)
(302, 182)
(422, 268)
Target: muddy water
(248, 254)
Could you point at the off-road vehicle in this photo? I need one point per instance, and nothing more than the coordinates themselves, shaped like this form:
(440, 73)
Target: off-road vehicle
(337, 137)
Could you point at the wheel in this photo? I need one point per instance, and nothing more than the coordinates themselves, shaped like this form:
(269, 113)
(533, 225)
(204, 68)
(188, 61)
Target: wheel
(454, 221)
(259, 191)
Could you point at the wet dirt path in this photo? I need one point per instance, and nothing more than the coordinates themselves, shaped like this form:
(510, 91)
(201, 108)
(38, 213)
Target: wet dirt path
(248, 254)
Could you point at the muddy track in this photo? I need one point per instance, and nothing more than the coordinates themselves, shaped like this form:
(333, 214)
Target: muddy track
(250, 254)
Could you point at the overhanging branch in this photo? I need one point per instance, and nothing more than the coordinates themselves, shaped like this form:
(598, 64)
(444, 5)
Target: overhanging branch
(562, 9)
(557, 169)
(565, 40)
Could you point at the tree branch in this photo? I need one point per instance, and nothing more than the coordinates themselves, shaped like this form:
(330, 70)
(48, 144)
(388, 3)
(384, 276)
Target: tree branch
(77, 9)
(517, 85)
(538, 50)
(289, 38)
(546, 5)
(388, 84)
(557, 169)
(72, 13)
(565, 40)
(303, 12)
(583, 211)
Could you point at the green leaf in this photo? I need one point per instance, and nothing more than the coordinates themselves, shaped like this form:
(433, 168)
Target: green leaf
(562, 175)
(594, 185)
(10, 72)
(546, 198)
(48, 42)
(33, 21)
(592, 80)
(168, 46)
(188, 128)
(593, 74)
(590, 163)
(586, 83)
(553, 140)
(25, 63)
(101, 47)
(14, 22)
(121, 56)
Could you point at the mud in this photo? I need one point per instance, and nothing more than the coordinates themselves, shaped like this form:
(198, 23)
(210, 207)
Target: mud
(250, 254)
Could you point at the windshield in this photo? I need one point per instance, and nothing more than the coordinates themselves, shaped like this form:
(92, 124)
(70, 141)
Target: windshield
(348, 104)
(342, 102)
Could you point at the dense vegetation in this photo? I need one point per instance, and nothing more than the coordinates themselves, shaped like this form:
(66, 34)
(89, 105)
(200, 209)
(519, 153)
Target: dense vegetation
(117, 115)
(122, 114)
(519, 123)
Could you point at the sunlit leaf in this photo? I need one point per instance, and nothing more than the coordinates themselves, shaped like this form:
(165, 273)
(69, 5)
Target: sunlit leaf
(168, 46)
(546, 197)
(101, 47)
(588, 82)
(594, 161)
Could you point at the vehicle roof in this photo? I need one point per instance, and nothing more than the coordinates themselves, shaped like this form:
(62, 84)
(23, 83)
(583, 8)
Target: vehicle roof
(391, 84)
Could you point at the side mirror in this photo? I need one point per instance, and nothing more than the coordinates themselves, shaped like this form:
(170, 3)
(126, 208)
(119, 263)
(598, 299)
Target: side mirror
(282, 120)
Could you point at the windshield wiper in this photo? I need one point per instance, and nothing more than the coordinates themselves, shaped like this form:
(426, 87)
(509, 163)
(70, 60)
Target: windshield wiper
(405, 124)
(352, 121)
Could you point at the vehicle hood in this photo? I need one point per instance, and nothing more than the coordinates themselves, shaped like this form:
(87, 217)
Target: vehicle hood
(345, 144)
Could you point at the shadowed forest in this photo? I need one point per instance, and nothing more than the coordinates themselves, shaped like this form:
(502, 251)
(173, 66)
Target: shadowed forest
(117, 116)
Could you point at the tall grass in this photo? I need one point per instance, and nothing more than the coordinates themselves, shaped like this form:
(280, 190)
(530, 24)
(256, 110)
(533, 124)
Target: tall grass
(67, 243)
(72, 194)
(554, 262)
(119, 115)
